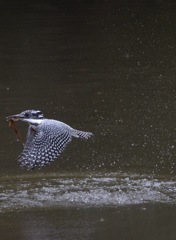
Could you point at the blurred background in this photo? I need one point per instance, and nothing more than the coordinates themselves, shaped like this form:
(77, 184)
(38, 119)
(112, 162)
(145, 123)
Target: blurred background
(101, 66)
(107, 67)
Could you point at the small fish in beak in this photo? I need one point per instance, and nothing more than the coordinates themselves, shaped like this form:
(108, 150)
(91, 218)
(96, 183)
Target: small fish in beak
(11, 120)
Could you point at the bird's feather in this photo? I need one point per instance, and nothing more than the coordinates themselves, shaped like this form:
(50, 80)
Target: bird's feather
(44, 144)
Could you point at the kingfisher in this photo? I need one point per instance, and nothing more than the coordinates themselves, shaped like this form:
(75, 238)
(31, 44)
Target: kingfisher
(46, 138)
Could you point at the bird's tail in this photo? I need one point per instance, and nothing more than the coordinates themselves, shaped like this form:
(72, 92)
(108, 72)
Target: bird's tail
(81, 134)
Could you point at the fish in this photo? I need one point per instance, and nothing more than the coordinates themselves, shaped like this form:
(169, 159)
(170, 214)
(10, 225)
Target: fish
(11, 123)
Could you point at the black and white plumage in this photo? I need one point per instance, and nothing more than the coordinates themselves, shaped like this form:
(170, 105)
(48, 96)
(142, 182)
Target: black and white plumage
(46, 138)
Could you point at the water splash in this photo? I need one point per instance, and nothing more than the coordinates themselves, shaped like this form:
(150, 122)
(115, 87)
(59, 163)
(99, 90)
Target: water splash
(84, 191)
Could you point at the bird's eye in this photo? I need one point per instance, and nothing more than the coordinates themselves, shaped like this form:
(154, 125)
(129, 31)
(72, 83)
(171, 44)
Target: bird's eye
(27, 115)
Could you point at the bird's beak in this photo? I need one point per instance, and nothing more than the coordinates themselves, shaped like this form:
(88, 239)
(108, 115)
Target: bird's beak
(15, 117)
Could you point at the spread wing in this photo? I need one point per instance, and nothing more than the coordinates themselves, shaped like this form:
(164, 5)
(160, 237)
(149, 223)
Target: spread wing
(43, 145)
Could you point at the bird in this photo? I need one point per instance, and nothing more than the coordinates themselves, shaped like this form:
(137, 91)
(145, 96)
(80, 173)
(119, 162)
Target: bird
(46, 138)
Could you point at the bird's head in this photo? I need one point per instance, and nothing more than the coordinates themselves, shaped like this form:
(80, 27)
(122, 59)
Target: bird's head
(30, 116)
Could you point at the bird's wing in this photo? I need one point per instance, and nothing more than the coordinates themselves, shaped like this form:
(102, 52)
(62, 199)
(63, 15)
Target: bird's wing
(43, 145)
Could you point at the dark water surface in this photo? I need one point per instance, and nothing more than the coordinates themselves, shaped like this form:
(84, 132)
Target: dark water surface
(101, 66)
(129, 222)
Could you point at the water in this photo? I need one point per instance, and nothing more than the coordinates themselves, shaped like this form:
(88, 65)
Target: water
(80, 206)
(105, 67)
(107, 190)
